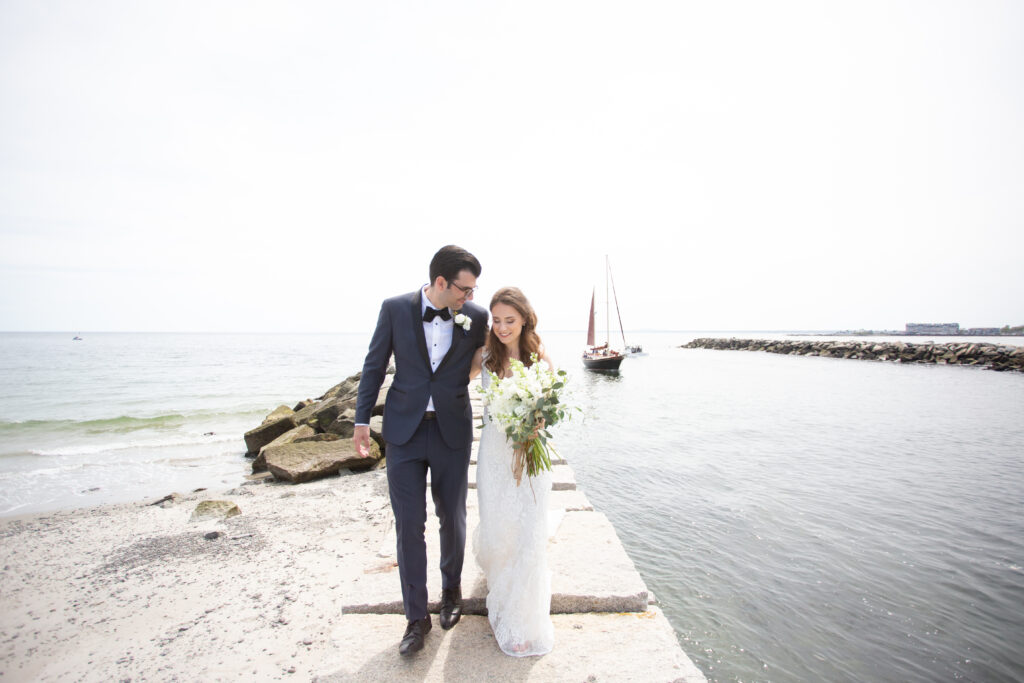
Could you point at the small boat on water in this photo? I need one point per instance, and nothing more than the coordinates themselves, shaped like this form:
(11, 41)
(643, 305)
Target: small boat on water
(635, 350)
(76, 338)
(604, 357)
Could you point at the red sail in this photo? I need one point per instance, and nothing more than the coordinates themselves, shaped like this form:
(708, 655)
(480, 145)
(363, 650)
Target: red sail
(590, 329)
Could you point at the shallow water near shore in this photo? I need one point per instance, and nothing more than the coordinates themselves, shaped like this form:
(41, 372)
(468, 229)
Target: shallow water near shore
(798, 518)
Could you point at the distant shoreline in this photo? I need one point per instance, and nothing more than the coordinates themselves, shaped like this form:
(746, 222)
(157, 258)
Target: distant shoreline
(979, 354)
(897, 333)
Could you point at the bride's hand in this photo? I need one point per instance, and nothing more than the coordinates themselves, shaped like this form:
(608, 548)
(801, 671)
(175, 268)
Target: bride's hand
(539, 426)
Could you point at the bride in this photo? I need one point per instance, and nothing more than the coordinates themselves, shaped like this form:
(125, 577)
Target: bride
(511, 541)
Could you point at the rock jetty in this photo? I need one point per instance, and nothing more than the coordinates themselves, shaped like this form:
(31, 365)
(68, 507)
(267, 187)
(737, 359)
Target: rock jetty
(992, 356)
(313, 439)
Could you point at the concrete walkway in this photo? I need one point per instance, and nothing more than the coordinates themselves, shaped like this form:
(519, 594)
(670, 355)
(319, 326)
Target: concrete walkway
(606, 627)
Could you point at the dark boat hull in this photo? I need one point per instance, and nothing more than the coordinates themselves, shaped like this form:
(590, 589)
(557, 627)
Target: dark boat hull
(603, 363)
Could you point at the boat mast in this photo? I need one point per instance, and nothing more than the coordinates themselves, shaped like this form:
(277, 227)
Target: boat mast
(607, 307)
(618, 311)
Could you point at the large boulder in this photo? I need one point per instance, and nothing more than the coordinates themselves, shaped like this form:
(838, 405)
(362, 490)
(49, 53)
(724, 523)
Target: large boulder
(348, 391)
(328, 411)
(382, 395)
(321, 414)
(255, 439)
(377, 431)
(260, 463)
(279, 412)
(304, 415)
(307, 460)
(346, 388)
(318, 437)
(344, 425)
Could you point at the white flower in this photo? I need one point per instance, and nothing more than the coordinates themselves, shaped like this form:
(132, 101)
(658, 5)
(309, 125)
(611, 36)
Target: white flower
(463, 321)
(520, 404)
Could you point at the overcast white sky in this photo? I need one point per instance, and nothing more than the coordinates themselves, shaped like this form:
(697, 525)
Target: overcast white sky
(253, 166)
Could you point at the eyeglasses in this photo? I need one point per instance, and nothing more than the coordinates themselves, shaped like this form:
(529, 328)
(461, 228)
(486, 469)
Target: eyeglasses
(468, 291)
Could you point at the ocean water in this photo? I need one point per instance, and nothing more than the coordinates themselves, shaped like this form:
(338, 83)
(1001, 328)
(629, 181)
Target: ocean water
(798, 518)
(118, 417)
(816, 519)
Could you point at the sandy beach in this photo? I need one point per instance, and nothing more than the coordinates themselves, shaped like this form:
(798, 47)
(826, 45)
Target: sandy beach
(138, 592)
(301, 585)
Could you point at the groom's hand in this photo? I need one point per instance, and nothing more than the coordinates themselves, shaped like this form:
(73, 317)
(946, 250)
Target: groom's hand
(361, 440)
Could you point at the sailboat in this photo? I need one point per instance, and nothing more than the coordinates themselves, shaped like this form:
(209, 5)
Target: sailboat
(604, 357)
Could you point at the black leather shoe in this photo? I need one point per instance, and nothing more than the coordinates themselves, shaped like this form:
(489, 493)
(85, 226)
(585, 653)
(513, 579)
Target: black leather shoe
(451, 606)
(415, 632)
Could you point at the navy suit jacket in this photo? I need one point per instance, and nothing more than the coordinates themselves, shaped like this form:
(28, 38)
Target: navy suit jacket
(400, 332)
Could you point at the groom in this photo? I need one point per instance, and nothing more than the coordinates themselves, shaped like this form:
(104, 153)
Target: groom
(433, 334)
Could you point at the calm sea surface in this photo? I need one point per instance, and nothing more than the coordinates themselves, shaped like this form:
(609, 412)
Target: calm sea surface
(799, 519)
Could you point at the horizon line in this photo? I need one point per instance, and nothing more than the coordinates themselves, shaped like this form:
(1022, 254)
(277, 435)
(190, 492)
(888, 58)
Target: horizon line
(370, 331)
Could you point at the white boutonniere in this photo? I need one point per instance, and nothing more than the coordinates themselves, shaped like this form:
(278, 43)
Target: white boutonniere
(463, 320)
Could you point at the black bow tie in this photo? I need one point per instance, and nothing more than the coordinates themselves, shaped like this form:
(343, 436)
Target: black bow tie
(432, 313)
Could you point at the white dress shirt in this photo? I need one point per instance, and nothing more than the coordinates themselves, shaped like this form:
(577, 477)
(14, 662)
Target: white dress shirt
(438, 334)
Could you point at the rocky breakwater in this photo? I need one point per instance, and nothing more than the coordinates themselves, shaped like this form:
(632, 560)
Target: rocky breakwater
(313, 439)
(992, 356)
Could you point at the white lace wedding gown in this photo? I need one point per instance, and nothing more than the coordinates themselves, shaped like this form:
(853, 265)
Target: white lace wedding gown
(511, 547)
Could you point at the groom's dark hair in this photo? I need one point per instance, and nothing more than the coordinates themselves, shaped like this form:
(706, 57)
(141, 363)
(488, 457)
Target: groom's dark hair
(451, 260)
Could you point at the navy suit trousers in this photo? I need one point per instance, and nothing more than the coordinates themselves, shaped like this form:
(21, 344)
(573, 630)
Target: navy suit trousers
(407, 484)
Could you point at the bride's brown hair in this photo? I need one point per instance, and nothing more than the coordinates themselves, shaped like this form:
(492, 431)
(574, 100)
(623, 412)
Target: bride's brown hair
(529, 342)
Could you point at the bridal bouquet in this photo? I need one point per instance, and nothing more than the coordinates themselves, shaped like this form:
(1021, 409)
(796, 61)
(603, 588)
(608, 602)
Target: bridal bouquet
(524, 406)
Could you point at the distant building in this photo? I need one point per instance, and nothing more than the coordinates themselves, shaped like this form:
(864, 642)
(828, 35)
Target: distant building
(949, 329)
(982, 331)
